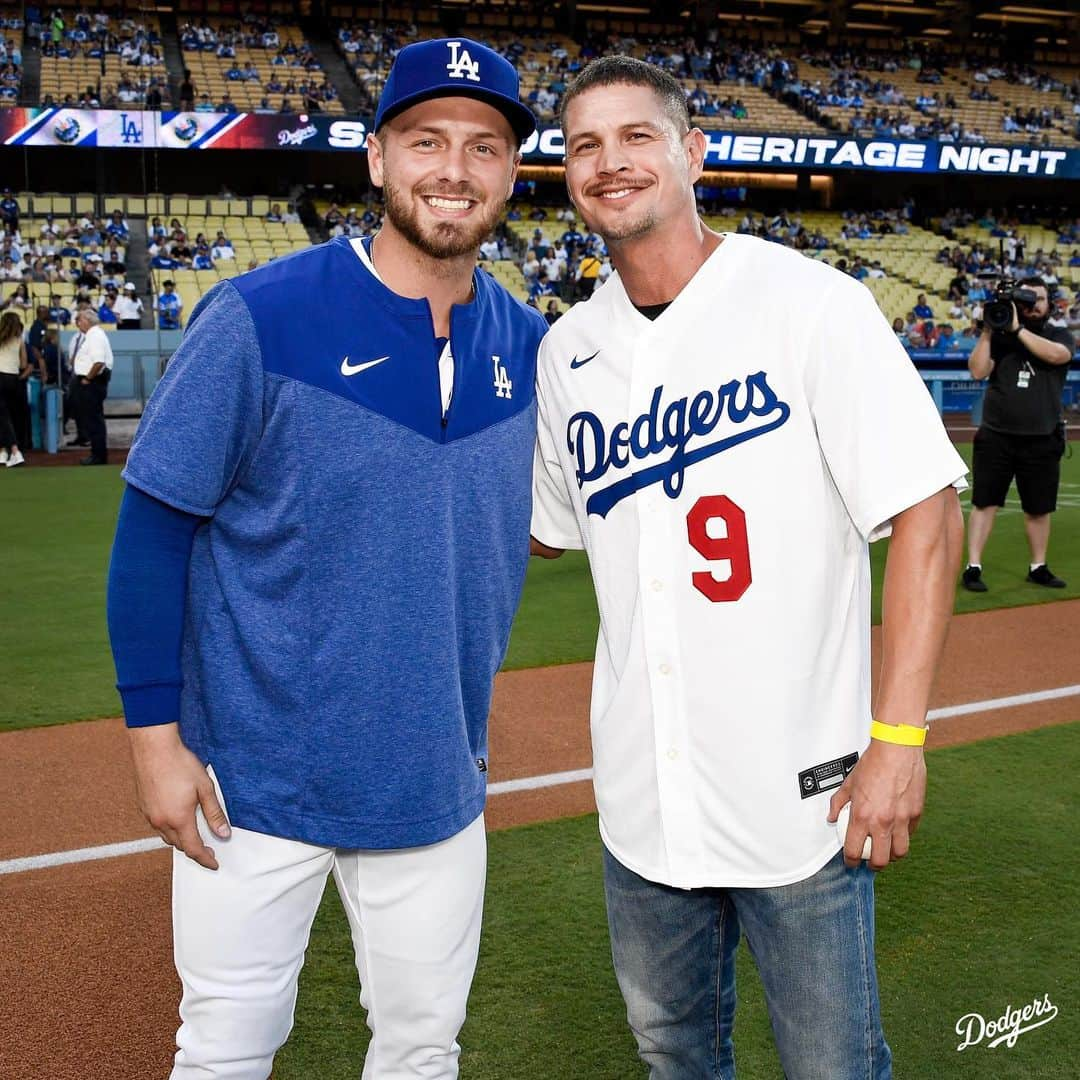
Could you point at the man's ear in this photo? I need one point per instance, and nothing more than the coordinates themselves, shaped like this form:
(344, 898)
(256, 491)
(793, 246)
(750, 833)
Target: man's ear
(375, 159)
(697, 146)
(513, 176)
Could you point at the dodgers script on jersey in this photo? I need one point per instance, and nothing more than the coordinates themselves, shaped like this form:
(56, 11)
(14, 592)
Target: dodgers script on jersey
(725, 467)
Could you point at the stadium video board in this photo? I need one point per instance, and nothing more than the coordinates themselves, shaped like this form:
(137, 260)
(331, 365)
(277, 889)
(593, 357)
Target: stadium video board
(128, 129)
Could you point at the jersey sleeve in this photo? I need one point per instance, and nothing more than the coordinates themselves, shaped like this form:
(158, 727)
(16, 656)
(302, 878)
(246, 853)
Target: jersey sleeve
(203, 421)
(553, 520)
(882, 439)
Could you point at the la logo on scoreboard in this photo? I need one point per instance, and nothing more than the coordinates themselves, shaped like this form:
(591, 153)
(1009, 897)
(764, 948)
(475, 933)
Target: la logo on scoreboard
(462, 65)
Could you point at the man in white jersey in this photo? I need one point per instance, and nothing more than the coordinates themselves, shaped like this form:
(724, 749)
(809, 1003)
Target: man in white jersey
(724, 466)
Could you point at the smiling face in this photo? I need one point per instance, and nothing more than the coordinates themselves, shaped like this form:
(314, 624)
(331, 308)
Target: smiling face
(629, 169)
(446, 167)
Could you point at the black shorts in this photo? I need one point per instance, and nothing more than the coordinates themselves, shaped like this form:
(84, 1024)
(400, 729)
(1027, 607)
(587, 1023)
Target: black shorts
(1034, 460)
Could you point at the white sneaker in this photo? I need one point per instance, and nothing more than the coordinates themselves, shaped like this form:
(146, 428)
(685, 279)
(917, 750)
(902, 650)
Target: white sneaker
(3, 457)
(14, 459)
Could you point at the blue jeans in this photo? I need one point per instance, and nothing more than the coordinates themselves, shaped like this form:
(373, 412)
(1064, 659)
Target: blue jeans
(812, 942)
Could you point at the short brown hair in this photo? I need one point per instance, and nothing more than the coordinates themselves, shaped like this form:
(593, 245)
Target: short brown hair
(628, 71)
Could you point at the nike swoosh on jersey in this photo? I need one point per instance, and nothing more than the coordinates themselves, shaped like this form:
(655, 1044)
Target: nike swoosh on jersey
(355, 369)
(576, 363)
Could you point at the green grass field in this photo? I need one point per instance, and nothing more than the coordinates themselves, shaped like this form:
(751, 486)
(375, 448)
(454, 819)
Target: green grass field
(980, 917)
(57, 525)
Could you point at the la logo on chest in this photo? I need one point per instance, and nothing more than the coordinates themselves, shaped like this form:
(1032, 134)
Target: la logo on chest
(503, 385)
(462, 65)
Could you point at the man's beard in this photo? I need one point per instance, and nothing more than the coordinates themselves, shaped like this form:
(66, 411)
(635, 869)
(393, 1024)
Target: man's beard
(1032, 322)
(442, 239)
(625, 230)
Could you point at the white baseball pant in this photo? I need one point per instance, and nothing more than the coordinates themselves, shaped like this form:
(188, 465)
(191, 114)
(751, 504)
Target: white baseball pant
(240, 933)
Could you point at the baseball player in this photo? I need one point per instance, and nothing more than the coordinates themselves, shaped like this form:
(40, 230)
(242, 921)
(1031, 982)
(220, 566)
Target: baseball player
(723, 427)
(318, 556)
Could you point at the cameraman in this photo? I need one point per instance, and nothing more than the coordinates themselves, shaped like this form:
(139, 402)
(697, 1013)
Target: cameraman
(1022, 432)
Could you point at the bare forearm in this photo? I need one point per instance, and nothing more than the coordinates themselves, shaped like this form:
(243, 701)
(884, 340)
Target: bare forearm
(979, 362)
(917, 603)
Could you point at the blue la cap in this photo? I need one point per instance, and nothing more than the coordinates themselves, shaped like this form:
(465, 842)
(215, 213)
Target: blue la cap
(457, 67)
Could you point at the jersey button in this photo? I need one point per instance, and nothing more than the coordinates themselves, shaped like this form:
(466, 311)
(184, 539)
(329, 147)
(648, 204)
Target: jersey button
(656, 586)
(665, 669)
(672, 753)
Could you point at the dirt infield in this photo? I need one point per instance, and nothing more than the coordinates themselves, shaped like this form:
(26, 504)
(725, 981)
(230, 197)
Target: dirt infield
(88, 985)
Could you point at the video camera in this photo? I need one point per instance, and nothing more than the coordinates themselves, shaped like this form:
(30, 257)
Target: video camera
(997, 312)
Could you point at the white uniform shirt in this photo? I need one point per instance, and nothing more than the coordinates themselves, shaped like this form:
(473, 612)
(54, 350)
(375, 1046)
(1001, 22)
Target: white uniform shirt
(89, 349)
(724, 467)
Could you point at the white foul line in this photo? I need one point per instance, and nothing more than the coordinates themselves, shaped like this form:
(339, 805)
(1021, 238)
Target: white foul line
(1003, 703)
(531, 783)
(503, 787)
(86, 854)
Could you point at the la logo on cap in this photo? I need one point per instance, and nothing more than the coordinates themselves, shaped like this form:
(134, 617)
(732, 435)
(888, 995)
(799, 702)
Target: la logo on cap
(462, 65)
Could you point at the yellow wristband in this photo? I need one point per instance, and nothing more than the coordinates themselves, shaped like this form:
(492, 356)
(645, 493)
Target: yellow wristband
(902, 734)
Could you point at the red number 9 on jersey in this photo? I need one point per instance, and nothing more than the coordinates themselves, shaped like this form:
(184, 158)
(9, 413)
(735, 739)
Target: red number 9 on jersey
(733, 548)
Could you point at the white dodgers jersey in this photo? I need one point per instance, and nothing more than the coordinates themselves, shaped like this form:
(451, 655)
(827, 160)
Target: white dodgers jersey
(725, 466)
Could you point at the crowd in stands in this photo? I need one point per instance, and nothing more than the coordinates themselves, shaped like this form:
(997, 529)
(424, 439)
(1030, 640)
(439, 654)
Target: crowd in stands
(561, 261)
(295, 71)
(568, 269)
(84, 262)
(80, 256)
(95, 35)
(849, 79)
(10, 60)
(252, 32)
(859, 80)
(146, 90)
(844, 87)
(548, 65)
(783, 229)
(170, 248)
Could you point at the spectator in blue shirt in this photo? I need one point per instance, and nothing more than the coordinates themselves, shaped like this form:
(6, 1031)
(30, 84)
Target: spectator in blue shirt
(945, 338)
(542, 287)
(57, 312)
(9, 209)
(105, 311)
(117, 226)
(169, 307)
(923, 309)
